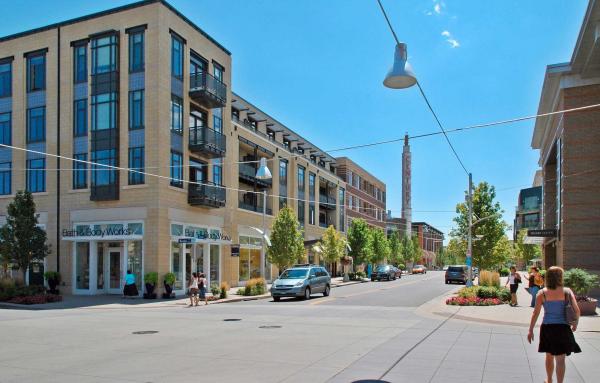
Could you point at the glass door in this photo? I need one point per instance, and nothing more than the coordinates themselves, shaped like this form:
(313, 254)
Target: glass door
(114, 274)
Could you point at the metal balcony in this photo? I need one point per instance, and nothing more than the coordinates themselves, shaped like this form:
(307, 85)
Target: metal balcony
(208, 142)
(247, 174)
(207, 194)
(328, 202)
(207, 90)
(252, 202)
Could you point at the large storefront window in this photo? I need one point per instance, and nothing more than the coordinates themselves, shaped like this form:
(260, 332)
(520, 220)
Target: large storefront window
(82, 265)
(134, 261)
(249, 262)
(214, 263)
(176, 265)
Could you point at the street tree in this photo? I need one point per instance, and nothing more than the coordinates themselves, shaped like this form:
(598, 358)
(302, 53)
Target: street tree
(332, 245)
(287, 243)
(525, 252)
(22, 241)
(503, 252)
(359, 239)
(408, 250)
(379, 245)
(417, 250)
(488, 227)
(395, 248)
(455, 251)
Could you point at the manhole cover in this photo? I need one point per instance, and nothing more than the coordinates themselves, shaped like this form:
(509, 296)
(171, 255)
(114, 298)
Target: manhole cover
(144, 332)
(269, 327)
(231, 320)
(371, 381)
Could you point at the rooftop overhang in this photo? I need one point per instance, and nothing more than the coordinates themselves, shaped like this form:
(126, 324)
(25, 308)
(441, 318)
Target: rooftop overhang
(586, 55)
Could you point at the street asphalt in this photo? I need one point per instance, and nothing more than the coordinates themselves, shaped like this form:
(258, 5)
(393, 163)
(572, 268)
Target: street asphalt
(369, 331)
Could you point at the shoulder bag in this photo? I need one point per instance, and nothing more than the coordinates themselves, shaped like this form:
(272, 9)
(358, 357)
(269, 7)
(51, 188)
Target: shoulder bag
(570, 313)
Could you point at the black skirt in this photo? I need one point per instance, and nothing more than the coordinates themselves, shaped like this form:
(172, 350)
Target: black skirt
(557, 339)
(130, 290)
(513, 287)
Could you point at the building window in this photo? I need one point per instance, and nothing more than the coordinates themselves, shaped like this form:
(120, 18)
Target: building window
(311, 197)
(176, 114)
(80, 63)
(104, 111)
(136, 162)
(36, 175)
(283, 171)
(218, 120)
(5, 129)
(36, 124)
(218, 174)
(176, 57)
(301, 179)
(136, 109)
(218, 71)
(6, 79)
(136, 52)
(36, 72)
(104, 175)
(104, 54)
(5, 178)
(301, 207)
(80, 118)
(176, 169)
(235, 114)
(342, 199)
(80, 171)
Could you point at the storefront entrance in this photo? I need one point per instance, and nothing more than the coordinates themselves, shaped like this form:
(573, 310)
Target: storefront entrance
(187, 258)
(109, 270)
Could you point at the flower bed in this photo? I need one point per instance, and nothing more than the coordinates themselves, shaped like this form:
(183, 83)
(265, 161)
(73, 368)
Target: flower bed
(35, 299)
(473, 301)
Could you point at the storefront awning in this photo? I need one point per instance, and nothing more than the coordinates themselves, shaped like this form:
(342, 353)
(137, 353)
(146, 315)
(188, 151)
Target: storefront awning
(533, 240)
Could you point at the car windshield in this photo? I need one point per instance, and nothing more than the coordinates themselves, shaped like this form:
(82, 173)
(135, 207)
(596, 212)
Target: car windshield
(382, 268)
(418, 266)
(294, 274)
(455, 268)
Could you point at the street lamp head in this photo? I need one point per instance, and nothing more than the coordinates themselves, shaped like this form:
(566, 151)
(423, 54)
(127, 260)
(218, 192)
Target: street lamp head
(263, 172)
(401, 75)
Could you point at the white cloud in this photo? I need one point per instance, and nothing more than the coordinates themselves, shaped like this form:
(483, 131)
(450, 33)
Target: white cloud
(450, 39)
(437, 8)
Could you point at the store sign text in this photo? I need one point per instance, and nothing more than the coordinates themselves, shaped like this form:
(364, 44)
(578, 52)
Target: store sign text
(203, 235)
(101, 233)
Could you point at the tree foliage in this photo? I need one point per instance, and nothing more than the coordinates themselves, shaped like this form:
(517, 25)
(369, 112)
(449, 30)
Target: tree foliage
(395, 248)
(525, 252)
(359, 239)
(408, 249)
(417, 250)
(380, 248)
(454, 253)
(287, 243)
(21, 240)
(332, 245)
(488, 231)
(503, 252)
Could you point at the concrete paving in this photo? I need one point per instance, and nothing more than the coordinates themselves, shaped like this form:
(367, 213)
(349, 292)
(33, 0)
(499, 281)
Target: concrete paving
(366, 331)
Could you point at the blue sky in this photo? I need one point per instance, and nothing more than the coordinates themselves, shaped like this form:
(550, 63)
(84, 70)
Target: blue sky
(318, 66)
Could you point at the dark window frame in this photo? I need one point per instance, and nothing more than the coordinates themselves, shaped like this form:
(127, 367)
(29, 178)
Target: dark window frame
(6, 91)
(113, 43)
(6, 129)
(176, 100)
(135, 66)
(79, 131)
(137, 154)
(36, 72)
(176, 170)
(80, 70)
(136, 121)
(80, 172)
(38, 137)
(98, 100)
(6, 178)
(177, 67)
(99, 157)
(36, 177)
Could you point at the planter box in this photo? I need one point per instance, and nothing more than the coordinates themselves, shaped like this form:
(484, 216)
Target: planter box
(588, 307)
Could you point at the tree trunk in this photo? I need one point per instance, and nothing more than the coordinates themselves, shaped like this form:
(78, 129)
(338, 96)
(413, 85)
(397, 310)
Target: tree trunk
(25, 276)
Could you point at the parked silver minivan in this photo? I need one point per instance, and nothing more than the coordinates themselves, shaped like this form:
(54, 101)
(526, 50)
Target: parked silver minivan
(301, 281)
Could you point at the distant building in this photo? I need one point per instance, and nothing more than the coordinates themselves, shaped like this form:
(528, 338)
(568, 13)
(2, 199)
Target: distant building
(365, 194)
(431, 240)
(569, 148)
(393, 224)
(528, 211)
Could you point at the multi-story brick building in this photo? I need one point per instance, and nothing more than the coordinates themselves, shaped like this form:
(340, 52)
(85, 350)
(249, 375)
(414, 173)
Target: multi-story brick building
(117, 88)
(431, 240)
(569, 146)
(366, 195)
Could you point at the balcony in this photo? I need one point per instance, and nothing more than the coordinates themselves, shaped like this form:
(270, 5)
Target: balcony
(207, 90)
(208, 142)
(252, 202)
(208, 194)
(248, 176)
(328, 202)
(104, 192)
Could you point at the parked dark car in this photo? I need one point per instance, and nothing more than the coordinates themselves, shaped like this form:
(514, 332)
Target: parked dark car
(386, 272)
(456, 273)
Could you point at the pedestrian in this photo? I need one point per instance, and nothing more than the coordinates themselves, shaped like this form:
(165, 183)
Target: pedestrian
(130, 289)
(556, 334)
(202, 282)
(536, 283)
(513, 280)
(193, 289)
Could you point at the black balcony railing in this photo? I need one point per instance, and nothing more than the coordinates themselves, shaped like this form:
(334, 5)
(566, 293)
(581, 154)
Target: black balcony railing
(207, 90)
(246, 202)
(207, 141)
(247, 174)
(328, 202)
(206, 194)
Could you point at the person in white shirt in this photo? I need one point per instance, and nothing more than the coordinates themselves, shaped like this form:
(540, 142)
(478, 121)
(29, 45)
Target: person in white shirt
(193, 290)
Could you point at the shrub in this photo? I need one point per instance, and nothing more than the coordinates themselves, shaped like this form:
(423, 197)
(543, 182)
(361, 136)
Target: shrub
(487, 292)
(580, 281)
(352, 276)
(468, 292)
(402, 266)
(215, 289)
(48, 275)
(360, 275)
(151, 278)
(169, 279)
(224, 290)
(504, 271)
(495, 279)
(255, 286)
(504, 295)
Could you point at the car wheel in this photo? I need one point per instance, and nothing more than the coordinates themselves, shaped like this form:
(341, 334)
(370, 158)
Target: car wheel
(307, 293)
(447, 281)
(372, 279)
(276, 299)
(326, 291)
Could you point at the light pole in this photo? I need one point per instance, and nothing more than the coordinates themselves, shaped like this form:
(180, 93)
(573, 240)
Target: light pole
(469, 237)
(263, 173)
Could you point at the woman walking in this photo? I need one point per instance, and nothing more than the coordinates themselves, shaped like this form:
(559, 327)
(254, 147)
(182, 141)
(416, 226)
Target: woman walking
(556, 334)
(536, 283)
(202, 282)
(130, 289)
(513, 280)
(193, 290)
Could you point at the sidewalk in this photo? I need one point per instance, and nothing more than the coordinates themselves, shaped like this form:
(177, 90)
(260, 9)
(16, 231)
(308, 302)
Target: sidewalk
(117, 302)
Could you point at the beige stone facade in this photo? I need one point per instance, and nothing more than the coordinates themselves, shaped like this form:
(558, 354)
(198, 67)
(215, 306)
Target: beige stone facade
(110, 225)
(569, 146)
